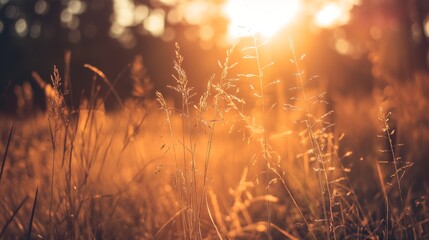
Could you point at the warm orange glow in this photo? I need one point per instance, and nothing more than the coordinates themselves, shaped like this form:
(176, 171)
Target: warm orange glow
(265, 17)
(332, 14)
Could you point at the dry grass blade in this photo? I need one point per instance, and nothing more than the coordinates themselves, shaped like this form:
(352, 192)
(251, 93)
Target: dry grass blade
(30, 224)
(6, 150)
(36, 76)
(106, 80)
(113, 84)
(286, 234)
(212, 220)
(9, 221)
(156, 235)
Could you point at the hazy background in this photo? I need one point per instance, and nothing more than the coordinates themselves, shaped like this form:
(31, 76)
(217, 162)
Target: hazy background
(341, 45)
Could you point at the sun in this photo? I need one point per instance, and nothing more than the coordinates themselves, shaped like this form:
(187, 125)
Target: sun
(265, 17)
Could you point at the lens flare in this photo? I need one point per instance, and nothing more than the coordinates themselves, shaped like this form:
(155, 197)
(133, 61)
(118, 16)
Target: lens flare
(265, 17)
(333, 14)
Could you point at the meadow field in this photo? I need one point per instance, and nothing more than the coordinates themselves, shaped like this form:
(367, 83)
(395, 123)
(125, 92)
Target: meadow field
(248, 157)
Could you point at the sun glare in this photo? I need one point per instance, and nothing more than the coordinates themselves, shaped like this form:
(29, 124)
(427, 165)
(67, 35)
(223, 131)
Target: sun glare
(265, 17)
(332, 14)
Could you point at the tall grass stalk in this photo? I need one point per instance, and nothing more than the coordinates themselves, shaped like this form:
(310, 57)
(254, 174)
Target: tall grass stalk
(33, 210)
(56, 122)
(400, 166)
(315, 148)
(386, 199)
(265, 150)
(187, 184)
(186, 93)
(9, 138)
(161, 100)
(221, 94)
(192, 193)
(12, 217)
(391, 149)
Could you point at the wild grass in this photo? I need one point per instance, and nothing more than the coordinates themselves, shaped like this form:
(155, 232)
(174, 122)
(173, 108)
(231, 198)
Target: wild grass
(226, 163)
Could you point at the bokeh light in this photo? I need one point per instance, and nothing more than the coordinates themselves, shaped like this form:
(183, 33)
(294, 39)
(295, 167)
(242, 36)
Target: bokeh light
(21, 27)
(35, 30)
(333, 14)
(328, 15)
(66, 16)
(257, 16)
(154, 23)
(123, 12)
(195, 12)
(3, 2)
(174, 16)
(76, 7)
(41, 7)
(141, 12)
(12, 12)
(169, 2)
(426, 26)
